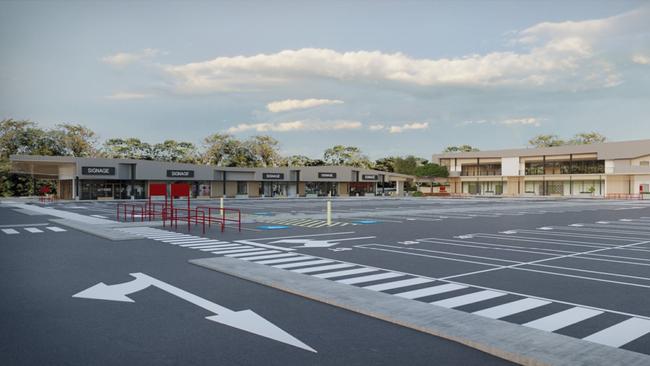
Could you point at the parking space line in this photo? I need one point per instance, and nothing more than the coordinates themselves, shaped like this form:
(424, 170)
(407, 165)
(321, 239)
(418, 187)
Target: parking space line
(474, 297)
(270, 256)
(515, 307)
(10, 231)
(258, 252)
(56, 229)
(33, 230)
(235, 250)
(563, 319)
(285, 260)
(622, 333)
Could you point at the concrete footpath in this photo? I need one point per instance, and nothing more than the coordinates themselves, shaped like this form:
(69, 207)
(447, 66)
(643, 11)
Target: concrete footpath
(523, 345)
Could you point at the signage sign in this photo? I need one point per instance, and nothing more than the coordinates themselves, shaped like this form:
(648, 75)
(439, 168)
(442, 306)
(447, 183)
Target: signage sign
(180, 173)
(97, 170)
(369, 176)
(326, 175)
(272, 175)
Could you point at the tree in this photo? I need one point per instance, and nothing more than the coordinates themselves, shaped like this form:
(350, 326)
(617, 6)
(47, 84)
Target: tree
(265, 149)
(586, 138)
(346, 155)
(77, 140)
(130, 148)
(546, 141)
(385, 164)
(431, 170)
(460, 148)
(175, 151)
(218, 148)
(301, 160)
(407, 165)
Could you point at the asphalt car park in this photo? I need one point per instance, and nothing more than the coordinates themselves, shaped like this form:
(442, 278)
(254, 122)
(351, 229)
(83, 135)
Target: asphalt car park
(579, 268)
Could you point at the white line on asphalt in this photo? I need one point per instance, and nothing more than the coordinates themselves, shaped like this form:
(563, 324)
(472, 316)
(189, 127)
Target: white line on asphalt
(563, 319)
(303, 236)
(621, 333)
(345, 273)
(284, 260)
(56, 229)
(251, 242)
(235, 250)
(362, 279)
(33, 230)
(270, 256)
(217, 247)
(457, 301)
(301, 264)
(398, 284)
(324, 268)
(428, 291)
(9, 231)
(515, 307)
(259, 251)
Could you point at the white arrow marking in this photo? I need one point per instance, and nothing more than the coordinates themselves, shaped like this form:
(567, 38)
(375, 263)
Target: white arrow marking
(508, 232)
(246, 320)
(544, 228)
(310, 243)
(577, 225)
(626, 220)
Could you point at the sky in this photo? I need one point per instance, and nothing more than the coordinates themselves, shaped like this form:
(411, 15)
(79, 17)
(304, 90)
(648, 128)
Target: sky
(391, 77)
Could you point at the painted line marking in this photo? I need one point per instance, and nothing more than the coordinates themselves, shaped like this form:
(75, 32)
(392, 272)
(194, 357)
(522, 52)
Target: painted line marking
(621, 333)
(56, 229)
(515, 307)
(362, 279)
(414, 294)
(302, 263)
(270, 256)
(324, 268)
(284, 260)
(563, 319)
(346, 272)
(33, 230)
(237, 250)
(259, 252)
(9, 231)
(457, 301)
(398, 284)
(253, 243)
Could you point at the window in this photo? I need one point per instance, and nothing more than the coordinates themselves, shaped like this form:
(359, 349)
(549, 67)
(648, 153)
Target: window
(242, 188)
(644, 163)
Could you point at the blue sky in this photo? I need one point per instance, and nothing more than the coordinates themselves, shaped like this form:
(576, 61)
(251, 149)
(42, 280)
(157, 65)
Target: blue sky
(390, 77)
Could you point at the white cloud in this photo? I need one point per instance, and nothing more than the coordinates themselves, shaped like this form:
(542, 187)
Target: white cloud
(408, 126)
(296, 126)
(127, 96)
(292, 104)
(521, 121)
(122, 59)
(377, 127)
(641, 59)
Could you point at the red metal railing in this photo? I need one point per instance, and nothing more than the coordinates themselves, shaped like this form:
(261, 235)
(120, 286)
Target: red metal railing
(201, 214)
(222, 217)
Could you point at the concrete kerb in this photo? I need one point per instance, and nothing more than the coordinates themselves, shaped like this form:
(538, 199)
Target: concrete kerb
(526, 346)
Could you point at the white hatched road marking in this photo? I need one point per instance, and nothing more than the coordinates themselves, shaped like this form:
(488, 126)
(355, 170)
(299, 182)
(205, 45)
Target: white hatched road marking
(56, 229)
(33, 230)
(457, 301)
(324, 268)
(563, 319)
(9, 231)
(414, 294)
(271, 256)
(398, 284)
(346, 272)
(515, 307)
(258, 252)
(235, 250)
(381, 276)
(284, 260)
(301, 264)
(621, 333)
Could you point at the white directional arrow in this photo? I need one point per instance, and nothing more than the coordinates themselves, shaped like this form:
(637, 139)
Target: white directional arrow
(246, 320)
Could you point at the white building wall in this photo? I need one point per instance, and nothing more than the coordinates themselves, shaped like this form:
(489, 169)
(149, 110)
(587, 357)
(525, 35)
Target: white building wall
(510, 166)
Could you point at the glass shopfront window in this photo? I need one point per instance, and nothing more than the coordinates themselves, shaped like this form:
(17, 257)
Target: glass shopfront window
(565, 167)
(101, 189)
(321, 188)
(242, 188)
(480, 170)
(362, 188)
(274, 189)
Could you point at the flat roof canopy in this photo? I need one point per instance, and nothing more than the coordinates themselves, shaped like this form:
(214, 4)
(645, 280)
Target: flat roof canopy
(38, 169)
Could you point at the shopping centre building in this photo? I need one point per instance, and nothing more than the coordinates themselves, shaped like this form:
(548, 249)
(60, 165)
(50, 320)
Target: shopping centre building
(90, 178)
(572, 170)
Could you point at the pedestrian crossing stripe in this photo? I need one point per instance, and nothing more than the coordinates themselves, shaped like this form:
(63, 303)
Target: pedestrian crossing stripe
(32, 230)
(310, 223)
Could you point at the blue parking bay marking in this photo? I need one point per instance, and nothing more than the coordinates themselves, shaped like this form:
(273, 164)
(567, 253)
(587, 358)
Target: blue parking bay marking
(272, 227)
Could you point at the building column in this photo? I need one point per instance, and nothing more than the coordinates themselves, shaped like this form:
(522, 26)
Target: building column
(399, 188)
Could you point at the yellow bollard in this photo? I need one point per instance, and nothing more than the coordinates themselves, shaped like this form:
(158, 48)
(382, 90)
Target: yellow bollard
(329, 213)
(221, 202)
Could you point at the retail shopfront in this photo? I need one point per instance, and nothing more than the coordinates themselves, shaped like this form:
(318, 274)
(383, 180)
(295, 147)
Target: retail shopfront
(110, 179)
